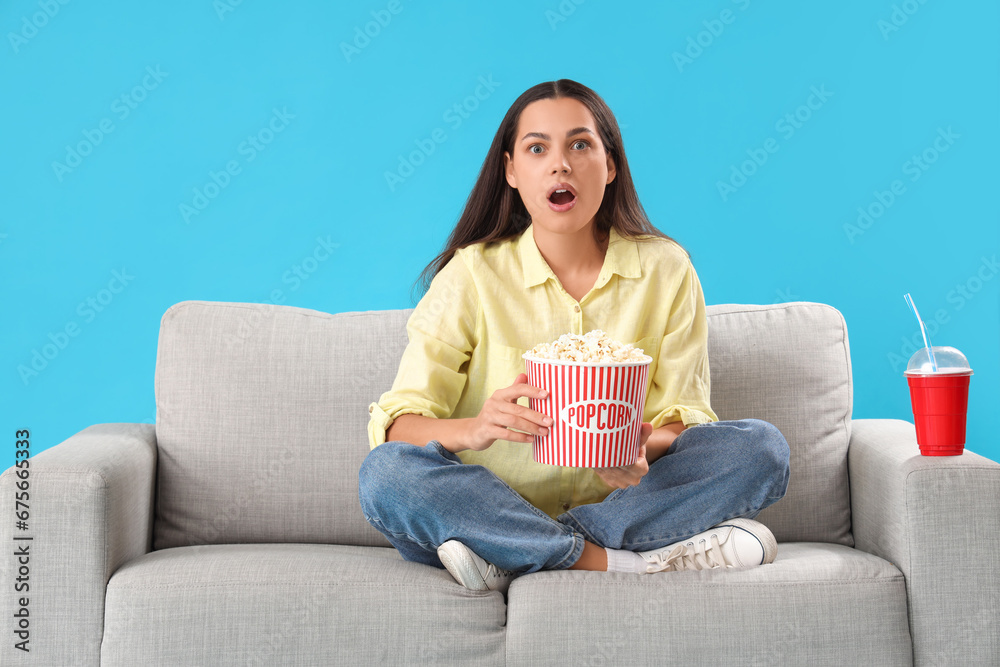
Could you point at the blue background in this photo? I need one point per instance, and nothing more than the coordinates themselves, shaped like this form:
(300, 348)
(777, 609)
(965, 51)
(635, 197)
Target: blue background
(315, 199)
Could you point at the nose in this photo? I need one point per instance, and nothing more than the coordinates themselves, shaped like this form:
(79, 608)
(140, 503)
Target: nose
(560, 162)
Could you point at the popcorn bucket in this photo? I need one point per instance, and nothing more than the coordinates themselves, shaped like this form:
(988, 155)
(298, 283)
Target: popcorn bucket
(596, 410)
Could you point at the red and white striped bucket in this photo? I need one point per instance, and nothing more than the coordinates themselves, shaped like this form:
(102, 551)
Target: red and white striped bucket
(596, 411)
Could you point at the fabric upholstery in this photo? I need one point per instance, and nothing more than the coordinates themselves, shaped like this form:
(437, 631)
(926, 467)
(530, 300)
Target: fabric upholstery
(817, 604)
(938, 519)
(262, 415)
(789, 364)
(263, 556)
(295, 604)
(261, 422)
(90, 510)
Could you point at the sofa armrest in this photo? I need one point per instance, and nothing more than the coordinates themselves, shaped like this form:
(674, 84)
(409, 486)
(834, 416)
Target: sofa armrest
(91, 510)
(937, 518)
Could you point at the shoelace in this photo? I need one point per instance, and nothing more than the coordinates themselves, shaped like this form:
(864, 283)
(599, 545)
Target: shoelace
(493, 570)
(699, 556)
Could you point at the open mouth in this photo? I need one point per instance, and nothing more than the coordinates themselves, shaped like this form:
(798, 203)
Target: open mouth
(561, 197)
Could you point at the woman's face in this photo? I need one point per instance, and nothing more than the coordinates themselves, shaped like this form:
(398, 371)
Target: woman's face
(557, 146)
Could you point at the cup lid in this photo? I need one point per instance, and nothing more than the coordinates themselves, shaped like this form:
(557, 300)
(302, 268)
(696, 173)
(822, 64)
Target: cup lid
(949, 362)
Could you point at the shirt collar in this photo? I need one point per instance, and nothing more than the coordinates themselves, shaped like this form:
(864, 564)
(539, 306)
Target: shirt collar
(622, 258)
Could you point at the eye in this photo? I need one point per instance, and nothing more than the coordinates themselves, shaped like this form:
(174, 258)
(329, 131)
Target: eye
(586, 144)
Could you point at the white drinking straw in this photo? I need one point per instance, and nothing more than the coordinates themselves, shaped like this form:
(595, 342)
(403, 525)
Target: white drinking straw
(923, 330)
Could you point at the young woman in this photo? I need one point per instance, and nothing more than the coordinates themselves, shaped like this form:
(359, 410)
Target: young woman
(553, 240)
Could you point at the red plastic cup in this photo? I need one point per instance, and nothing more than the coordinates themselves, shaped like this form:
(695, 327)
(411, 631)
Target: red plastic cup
(939, 400)
(596, 411)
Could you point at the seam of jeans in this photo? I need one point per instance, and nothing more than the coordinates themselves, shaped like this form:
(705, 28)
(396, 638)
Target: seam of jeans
(566, 529)
(572, 552)
(784, 488)
(451, 457)
(577, 527)
(448, 456)
(524, 501)
(400, 536)
(634, 545)
(542, 515)
(615, 495)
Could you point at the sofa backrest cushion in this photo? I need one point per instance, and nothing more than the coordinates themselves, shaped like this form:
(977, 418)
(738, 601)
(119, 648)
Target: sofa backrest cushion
(262, 415)
(789, 364)
(261, 421)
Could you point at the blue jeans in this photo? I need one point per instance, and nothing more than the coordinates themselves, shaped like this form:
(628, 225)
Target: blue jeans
(421, 497)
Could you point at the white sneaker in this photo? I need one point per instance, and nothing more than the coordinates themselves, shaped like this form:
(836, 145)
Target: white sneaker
(737, 543)
(472, 571)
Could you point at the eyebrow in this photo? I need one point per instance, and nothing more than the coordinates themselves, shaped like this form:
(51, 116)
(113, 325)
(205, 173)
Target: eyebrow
(542, 135)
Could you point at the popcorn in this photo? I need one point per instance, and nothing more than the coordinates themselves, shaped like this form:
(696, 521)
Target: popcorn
(594, 346)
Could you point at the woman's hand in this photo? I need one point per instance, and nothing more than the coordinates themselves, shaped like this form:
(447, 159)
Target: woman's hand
(622, 477)
(501, 413)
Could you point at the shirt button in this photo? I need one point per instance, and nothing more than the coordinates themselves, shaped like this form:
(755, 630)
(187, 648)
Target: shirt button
(576, 308)
(565, 507)
(371, 409)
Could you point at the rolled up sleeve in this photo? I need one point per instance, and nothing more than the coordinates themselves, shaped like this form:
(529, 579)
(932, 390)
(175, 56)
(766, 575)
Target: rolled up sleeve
(681, 385)
(441, 335)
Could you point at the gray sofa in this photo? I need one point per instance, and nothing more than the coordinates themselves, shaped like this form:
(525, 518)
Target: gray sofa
(230, 533)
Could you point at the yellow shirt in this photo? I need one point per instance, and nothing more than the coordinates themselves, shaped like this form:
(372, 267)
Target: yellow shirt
(490, 304)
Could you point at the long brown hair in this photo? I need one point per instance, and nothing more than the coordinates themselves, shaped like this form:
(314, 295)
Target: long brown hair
(494, 211)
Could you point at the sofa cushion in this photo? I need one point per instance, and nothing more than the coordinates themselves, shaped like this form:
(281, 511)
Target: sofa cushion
(311, 605)
(261, 421)
(262, 415)
(816, 604)
(789, 364)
